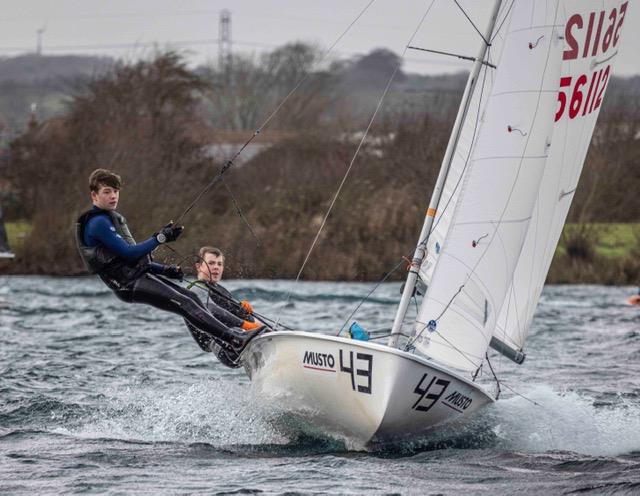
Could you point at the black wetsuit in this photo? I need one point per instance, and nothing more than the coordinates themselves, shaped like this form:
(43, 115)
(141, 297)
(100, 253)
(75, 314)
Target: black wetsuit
(225, 307)
(140, 280)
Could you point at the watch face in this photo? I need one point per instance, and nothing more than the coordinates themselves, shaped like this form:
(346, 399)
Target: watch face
(161, 238)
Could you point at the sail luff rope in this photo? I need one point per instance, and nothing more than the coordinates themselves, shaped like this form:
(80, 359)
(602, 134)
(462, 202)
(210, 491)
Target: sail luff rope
(355, 155)
(230, 162)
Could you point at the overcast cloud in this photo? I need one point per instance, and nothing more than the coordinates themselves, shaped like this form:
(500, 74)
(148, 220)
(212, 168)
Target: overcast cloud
(127, 28)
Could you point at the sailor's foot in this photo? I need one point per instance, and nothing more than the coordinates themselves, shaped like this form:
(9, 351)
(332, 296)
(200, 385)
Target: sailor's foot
(236, 339)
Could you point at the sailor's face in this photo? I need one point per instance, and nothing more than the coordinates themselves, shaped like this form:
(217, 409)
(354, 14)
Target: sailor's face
(106, 198)
(211, 268)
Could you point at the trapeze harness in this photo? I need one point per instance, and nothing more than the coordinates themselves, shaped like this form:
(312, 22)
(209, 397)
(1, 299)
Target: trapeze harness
(140, 281)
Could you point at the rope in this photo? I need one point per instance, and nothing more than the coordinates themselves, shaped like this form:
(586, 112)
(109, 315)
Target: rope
(269, 118)
(386, 276)
(237, 206)
(521, 395)
(486, 355)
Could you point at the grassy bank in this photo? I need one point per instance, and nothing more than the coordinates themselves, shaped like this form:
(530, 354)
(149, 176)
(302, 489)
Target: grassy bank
(597, 253)
(587, 253)
(17, 233)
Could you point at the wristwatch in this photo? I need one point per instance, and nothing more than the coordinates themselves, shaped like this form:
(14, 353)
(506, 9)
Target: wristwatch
(161, 238)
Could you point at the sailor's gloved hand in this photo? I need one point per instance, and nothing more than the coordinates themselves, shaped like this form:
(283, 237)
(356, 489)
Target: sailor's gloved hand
(169, 233)
(173, 272)
(247, 306)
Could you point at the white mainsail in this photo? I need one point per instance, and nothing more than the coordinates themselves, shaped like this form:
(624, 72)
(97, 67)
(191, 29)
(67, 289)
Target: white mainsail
(592, 36)
(495, 200)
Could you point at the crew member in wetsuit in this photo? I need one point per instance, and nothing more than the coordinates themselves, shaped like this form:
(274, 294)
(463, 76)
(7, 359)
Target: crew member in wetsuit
(220, 302)
(108, 249)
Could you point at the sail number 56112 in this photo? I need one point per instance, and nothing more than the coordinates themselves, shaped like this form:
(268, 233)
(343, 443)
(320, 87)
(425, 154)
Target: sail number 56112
(581, 95)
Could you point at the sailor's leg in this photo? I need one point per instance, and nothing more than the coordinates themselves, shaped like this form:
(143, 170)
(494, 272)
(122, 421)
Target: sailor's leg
(155, 291)
(224, 316)
(204, 340)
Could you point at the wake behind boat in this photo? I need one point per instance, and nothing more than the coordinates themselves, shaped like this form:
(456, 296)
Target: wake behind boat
(494, 220)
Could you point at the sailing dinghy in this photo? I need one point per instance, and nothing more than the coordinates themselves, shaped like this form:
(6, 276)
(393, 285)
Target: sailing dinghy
(495, 216)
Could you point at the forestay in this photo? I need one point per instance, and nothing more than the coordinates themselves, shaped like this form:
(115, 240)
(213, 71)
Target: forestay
(479, 245)
(592, 39)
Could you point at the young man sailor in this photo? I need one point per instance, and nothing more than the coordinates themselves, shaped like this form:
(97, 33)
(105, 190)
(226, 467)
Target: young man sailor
(108, 249)
(219, 301)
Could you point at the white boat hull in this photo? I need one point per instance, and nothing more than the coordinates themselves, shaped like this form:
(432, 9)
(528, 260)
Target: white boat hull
(354, 390)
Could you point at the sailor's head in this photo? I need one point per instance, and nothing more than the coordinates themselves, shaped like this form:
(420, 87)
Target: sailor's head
(105, 189)
(210, 265)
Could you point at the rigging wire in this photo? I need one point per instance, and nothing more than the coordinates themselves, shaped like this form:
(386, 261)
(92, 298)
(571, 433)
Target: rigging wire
(386, 276)
(244, 219)
(521, 395)
(506, 16)
(486, 42)
(229, 163)
(355, 155)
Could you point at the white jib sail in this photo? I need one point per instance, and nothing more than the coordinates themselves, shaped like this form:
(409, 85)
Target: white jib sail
(497, 194)
(592, 38)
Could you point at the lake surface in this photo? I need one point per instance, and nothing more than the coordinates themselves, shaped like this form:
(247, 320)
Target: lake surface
(97, 396)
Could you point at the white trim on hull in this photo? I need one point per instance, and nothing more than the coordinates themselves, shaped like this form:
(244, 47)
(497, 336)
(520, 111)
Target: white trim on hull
(355, 390)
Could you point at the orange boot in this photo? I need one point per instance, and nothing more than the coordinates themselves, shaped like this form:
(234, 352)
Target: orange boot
(247, 325)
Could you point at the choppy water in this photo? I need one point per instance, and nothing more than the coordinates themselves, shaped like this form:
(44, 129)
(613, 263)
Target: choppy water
(101, 397)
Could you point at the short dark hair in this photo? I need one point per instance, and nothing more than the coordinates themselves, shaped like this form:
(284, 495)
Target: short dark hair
(104, 177)
(210, 249)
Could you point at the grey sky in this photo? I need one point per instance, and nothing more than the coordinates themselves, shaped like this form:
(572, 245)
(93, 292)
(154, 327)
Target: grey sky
(116, 26)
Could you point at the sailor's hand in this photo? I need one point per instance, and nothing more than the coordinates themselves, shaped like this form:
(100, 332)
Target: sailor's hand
(246, 306)
(173, 272)
(169, 233)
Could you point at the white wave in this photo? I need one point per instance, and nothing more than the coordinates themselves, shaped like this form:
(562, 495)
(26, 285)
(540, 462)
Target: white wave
(212, 411)
(565, 422)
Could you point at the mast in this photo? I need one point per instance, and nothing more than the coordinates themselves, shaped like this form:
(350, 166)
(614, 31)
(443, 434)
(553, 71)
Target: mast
(419, 253)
